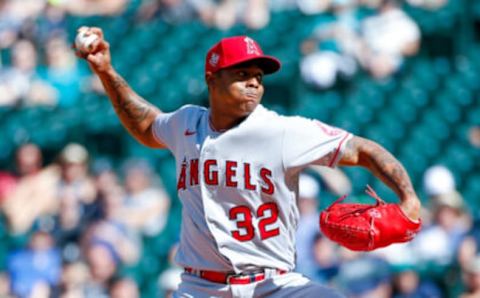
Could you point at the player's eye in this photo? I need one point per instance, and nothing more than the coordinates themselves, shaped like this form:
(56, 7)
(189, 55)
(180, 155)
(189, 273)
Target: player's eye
(242, 74)
(259, 77)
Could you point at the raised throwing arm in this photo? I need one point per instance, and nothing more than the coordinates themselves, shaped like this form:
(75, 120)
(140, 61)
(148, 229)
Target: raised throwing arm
(135, 113)
(366, 153)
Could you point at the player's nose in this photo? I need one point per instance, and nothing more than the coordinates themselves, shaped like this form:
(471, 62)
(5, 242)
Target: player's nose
(253, 82)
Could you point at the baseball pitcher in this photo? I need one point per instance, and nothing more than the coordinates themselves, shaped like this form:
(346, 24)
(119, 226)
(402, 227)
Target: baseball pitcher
(237, 166)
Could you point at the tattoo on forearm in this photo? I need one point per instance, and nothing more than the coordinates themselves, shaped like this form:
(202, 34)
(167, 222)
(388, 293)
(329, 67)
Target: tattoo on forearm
(389, 169)
(131, 108)
(383, 164)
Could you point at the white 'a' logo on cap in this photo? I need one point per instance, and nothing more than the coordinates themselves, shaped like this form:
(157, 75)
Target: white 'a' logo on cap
(251, 47)
(214, 59)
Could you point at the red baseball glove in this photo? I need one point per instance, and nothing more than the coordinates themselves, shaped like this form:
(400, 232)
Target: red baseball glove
(363, 227)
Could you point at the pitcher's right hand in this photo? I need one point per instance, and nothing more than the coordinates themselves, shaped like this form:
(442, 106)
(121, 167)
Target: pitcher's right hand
(98, 56)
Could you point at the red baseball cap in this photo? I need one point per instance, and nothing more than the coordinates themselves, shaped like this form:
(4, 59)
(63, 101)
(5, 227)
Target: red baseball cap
(235, 50)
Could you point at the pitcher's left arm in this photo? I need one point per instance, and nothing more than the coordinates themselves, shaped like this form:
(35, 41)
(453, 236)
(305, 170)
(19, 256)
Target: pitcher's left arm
(363, 152)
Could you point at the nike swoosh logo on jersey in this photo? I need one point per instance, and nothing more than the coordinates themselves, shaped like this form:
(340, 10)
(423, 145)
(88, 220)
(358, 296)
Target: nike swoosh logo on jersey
(189, 133)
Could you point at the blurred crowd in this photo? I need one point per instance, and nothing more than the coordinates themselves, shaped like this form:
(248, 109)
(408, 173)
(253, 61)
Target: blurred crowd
(373, 35)
(39, 68)
(81, 222)
(71, 227)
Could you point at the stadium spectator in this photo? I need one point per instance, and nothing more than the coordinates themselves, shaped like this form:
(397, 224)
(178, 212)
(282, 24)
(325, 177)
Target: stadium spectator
(102, 266)
(69, 224)
(124, 288)
(28, 160)
(474, 136)
(428, 4)
(171, 11)
(76, 204)
(34, 184)
(51, 23)
(256, 14)
(363, 276)
(106, 182)
(112, 232)
(325, 260)
(8, 182)
(438, 180)
(17, 18)
(62, 71)
(388, 37)
(407, 283)
(307, 226)
(225, 14)
(34, 271)
(313, 7)
(75, 177)
(169, 279)
(472, 279)
(437, 245)
(75, 276)
(87, 8)
(5, 291)
(20, 83)
(329, 53)
(470, 246)
(147, 203)
(317, 257)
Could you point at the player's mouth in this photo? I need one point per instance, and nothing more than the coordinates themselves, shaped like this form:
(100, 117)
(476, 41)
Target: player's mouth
(251, 95)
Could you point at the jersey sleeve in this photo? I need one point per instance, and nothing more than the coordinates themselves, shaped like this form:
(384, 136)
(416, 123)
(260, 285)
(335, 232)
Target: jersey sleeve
(169, 127)
(312, 142)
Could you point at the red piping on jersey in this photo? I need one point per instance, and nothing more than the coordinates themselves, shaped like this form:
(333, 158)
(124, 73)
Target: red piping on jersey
(337, 151)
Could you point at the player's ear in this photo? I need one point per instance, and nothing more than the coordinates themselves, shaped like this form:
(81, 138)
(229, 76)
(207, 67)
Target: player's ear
(209, 78)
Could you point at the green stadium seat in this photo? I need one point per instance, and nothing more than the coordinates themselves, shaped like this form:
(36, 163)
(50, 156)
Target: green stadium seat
(459, 160)
(308, 105)
(401, 109)
(471, 193)
(361, 177)
(377, 134)
(473, 115)
(391, 127)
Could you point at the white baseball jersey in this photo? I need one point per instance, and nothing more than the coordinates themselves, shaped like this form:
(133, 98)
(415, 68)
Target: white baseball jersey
(239, 187)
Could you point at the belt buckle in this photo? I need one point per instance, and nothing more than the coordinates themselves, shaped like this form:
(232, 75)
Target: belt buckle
(244, 278)
(230, 276)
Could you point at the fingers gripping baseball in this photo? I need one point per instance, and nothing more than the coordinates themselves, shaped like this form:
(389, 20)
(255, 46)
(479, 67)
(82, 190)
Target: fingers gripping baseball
(91, 46)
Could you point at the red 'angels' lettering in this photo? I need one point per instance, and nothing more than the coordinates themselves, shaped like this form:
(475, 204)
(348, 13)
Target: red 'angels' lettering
(246, 175)
(194, 172)
(231, 170)
(211, 177)
(181, 184)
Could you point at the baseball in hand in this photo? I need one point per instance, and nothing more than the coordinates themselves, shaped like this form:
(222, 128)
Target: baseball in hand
(84, 41)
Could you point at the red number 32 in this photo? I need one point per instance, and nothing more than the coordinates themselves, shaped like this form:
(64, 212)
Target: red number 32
(268, 214)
